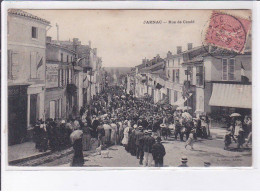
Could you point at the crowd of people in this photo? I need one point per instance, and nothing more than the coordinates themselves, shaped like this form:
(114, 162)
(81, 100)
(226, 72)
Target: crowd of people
(117, 118)
(240, 131)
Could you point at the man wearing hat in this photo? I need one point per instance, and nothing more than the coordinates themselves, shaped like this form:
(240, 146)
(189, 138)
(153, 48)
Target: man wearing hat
(164, 130)
(156, 125)
(147, 148)
(36, 134)
(131, 144)
(184, 161)
(158, 152)
(178, 130)
(101, 133)
(138, 135)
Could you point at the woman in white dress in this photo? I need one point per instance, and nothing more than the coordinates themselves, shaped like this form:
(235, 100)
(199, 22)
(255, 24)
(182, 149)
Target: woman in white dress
(126, 136)
(238, 127)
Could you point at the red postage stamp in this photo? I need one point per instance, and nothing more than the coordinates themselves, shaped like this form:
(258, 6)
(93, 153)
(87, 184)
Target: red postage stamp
(228, 32)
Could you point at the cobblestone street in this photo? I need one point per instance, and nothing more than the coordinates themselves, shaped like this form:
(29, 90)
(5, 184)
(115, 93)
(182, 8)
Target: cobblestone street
(204, 150)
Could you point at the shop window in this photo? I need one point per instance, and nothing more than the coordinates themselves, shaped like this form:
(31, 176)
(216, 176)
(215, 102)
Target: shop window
(52, 109)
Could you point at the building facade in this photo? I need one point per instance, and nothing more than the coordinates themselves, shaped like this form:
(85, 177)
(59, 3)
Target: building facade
(26, 72)
(61, 79)
(205, 78)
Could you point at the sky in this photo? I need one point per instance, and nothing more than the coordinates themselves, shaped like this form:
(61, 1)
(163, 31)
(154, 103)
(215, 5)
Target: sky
(123, 39)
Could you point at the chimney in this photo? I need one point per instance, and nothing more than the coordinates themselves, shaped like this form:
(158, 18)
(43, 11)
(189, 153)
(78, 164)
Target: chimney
(95, 51)
(179, 49)
(57, 32)
(75, 40)
(48, 39)
(89, 44)
(189, 46)
(169, 54)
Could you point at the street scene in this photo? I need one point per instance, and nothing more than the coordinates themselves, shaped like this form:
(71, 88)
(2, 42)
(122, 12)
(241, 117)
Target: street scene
(123, 88)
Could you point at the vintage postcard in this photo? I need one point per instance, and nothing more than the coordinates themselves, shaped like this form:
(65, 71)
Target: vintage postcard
(129, 88)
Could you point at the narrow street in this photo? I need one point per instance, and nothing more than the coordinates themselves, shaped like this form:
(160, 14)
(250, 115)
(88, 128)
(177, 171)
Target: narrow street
(204, 150)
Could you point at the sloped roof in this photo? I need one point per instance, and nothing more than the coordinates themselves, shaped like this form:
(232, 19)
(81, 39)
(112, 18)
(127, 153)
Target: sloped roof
(153, 68)
(28, 15)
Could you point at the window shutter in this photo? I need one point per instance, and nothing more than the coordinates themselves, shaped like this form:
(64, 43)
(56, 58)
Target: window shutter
(15, 64)
(224, 69)
(10, 73)
(175, 96)
(231, 69)
(33, 65)
(177, 75)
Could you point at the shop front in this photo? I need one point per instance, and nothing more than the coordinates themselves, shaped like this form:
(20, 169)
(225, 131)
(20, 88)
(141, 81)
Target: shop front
(17, 113)
(229, 98)
(55, 103)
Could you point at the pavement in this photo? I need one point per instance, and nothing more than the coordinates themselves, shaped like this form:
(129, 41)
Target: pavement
(204, 151)
(23, 153)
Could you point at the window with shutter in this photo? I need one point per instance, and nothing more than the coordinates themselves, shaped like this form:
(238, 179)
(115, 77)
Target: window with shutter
(173, 75)
(34, 32)
(61, 57)
(199, 75)
(10, 73)
(175, 96)
(191, 75)
(224, 69)
(33, 65)
(231, 70)
(177, 75)
(62, 77)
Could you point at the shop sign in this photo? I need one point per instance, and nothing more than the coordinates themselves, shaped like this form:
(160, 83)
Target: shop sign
(52, 75)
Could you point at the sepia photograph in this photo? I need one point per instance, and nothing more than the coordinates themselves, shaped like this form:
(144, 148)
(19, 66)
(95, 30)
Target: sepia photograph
(129, 88)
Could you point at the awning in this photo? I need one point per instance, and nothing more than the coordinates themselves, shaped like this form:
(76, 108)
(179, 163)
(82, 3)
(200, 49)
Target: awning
(181, 101)
(231, 95)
